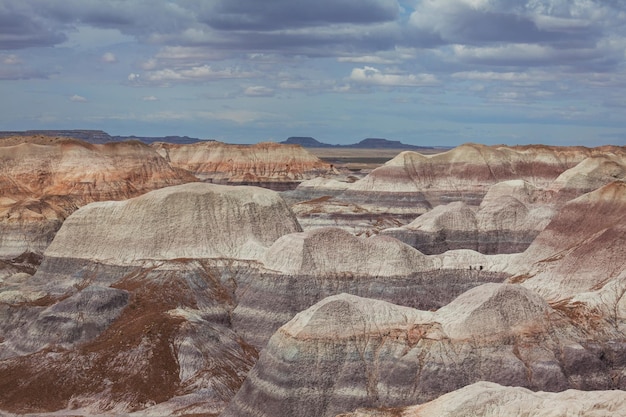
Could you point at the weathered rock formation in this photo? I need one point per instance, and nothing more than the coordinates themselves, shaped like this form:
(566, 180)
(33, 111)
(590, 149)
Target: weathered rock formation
(468, 170)
(119, 317)
(509, 218)
(41, 184)
(582, 249)
(159, 304)
(196, 220)
(489, 399)
(590, 174)
(259, 164)
(347, 352)
(300, 269)
(411, 184)
(148, 337)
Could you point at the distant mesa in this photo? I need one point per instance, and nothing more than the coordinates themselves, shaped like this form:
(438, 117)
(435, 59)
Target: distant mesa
(91, 136)
(306, 142)
(100, 136)
(368, 143)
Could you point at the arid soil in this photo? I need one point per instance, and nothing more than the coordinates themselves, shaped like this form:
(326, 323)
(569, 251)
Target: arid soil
(140, 280)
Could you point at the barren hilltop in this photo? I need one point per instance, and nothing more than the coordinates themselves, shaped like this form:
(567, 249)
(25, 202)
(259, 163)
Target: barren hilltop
(209, 279)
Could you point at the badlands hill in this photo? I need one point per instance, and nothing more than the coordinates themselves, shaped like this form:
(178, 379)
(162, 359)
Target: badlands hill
(347, 352)
(508, 219)
(195, 220)
(130, 307)
(263, 162)
(43, 180)
(581, 249)
(206, 299)
(470, 167)
(489, 399)
(412, 184)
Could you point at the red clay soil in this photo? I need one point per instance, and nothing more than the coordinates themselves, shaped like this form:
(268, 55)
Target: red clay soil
(133, 362)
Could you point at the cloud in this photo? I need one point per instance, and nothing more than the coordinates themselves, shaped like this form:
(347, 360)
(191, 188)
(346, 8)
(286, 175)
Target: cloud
(281, 14)
(529, 54)
(149, 98)
(194, 74)
(373, 76)
(258, 91)
(13, 68)
(11, 59)
(21, 28)
(504, 76)
(133, 77)
(78, 99)
(475, 22)
(108, 57)
(367, 59)
(237, 116)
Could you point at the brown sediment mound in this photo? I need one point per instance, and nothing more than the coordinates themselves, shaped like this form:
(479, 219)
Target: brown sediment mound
(582, 249)
(221, 162)
(473, 166)
(43, 180)
(171, 339)
(487, 398)
(347, 352)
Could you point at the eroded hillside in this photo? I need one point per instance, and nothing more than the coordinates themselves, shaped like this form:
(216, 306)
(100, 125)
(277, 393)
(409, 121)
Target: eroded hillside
(129, 286)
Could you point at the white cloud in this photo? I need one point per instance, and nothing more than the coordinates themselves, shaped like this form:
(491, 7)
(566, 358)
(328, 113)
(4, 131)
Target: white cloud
(237, 116)
(133, 77)
(167, 116)
(78, 99)
(503, 76)
(11, 59)
(367, 59)
(150, 98)
(108, 58)
(373, 76)
(197, 73)
(259, 91)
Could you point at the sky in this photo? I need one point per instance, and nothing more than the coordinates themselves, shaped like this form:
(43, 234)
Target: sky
(425, 72)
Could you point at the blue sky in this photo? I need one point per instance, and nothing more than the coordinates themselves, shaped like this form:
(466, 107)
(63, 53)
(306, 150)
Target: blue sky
(426, 72)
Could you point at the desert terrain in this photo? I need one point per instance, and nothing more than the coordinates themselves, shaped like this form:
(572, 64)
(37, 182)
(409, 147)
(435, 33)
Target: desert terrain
(211, 279)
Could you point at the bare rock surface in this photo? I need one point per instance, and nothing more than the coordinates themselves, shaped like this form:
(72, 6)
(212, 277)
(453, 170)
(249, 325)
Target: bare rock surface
(508, 219)
(151, 336)
(262, 162)
(42, 182)
(334, 251)
(195, 220)
(493, 400)
(412, 184)
(582, 249)
(471, 167)
(590, 174)
(131, 306)
(300, 269)
(347, 352)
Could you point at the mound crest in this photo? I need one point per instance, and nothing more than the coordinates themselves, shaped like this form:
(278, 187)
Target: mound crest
(334, 251)
(195, 220)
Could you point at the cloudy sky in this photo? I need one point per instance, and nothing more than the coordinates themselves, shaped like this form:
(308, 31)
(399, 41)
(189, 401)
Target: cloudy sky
(427, 72)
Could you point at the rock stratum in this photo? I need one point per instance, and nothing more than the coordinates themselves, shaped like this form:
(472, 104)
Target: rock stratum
(206, 299)
(411, 184)
(508, 219)
(129, 309)
(262, 163)
(195, 220)
(347, 352)
(489, 399)
(43, 180)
